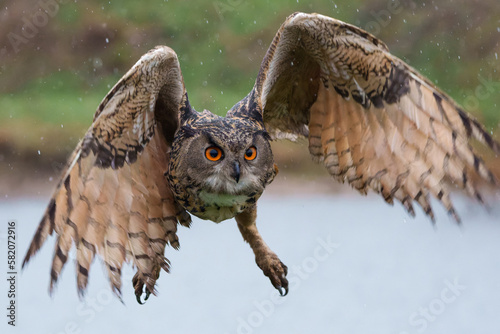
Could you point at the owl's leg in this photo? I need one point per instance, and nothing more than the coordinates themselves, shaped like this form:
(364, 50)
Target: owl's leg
(266, 259)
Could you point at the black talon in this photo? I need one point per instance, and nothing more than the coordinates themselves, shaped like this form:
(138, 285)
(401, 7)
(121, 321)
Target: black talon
(276, 272)
(148, 293)
(284, 287)
(138, 297)
(138, 287)
(284, 280)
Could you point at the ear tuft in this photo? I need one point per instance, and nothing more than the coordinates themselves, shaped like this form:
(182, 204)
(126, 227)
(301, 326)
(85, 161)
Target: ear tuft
(188, 131)
(187, 113)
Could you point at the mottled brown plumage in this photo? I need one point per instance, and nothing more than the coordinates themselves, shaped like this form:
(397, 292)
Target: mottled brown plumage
(148, 159)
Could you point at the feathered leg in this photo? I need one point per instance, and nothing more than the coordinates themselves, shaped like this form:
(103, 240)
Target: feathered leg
(266, 259)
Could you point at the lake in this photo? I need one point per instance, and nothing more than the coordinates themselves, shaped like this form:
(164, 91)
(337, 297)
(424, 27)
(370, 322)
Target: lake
(356, 265)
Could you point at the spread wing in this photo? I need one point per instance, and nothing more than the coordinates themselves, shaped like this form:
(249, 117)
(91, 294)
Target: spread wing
(113, 199)
(372, 120)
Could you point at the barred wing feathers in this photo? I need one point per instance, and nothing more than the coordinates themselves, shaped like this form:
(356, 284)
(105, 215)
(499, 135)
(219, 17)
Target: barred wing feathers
(372, 120)
(113, 199)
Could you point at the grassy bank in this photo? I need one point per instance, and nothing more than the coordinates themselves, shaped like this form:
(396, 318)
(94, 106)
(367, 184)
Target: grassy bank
(52, 82)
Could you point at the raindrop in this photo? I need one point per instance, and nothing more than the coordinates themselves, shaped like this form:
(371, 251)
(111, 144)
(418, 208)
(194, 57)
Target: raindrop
(38, 152)
(107, 40)
(498, 29)
(97, 63)
(496, 56)
(291, 63)
(201, 63)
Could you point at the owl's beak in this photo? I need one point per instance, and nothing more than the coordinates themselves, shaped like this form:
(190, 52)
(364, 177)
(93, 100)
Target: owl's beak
(236, 171)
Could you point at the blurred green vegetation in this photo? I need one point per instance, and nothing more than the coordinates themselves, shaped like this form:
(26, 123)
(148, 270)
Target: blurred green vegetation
(52, 82)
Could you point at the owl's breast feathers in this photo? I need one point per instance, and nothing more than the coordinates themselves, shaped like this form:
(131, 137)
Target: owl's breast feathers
(219, 206)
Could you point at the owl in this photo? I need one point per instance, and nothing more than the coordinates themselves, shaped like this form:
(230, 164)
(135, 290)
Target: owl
(149, 160)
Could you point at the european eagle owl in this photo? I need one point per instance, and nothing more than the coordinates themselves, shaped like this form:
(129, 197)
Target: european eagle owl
(149, 160)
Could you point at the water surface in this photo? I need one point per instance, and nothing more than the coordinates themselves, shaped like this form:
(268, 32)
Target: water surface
(356, 265)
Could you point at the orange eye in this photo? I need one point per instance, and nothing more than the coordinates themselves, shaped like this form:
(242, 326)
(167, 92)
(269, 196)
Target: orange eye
(251, 153)
(213, 153)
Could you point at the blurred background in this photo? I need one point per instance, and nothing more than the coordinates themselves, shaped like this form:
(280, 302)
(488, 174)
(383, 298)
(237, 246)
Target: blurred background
(58, 59)
(356, 264)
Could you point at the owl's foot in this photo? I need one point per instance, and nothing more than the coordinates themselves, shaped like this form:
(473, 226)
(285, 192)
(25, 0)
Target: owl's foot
(140, 288)
(275, 270)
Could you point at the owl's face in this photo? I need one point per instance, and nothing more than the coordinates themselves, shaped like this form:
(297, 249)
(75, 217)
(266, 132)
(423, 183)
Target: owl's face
(219, 162)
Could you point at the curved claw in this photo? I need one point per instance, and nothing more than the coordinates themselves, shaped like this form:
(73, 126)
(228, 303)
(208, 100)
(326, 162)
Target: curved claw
(139, 292)
(140, 289)
(276, 271)
(138, 297)
(280, 289)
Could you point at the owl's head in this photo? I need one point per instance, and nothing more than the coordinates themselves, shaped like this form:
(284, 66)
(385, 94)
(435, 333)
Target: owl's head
(222, 155)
